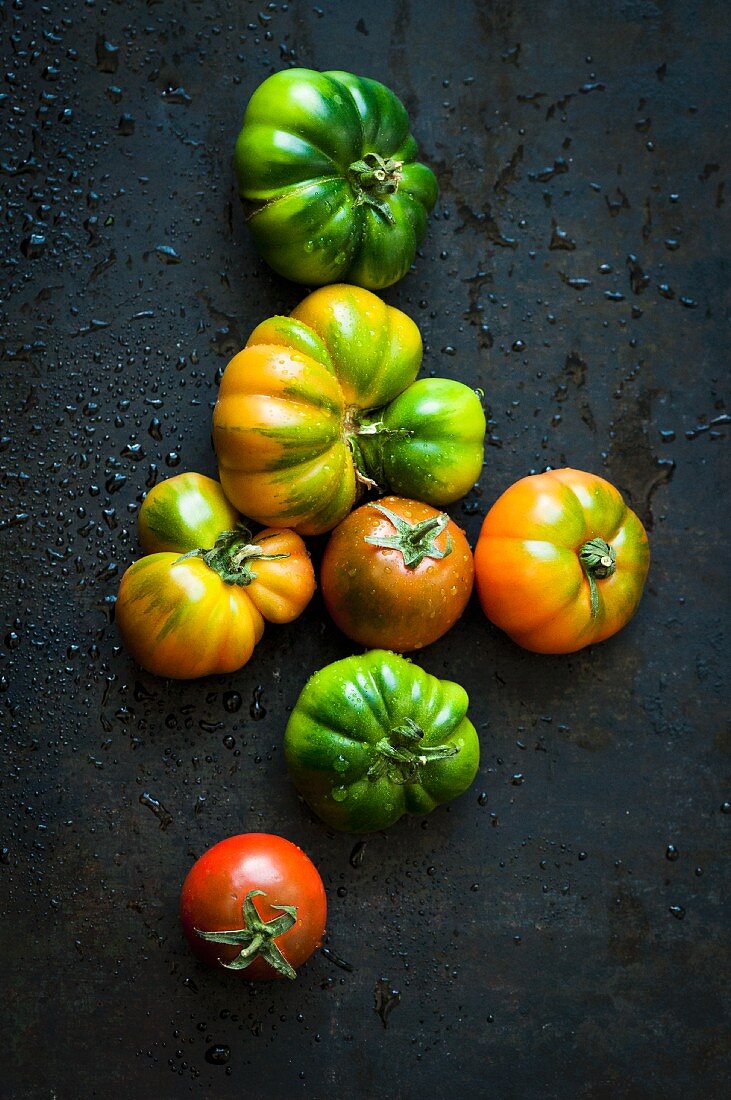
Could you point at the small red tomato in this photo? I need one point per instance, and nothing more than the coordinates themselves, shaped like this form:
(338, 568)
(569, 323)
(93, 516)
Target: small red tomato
(254, 903)
(396, 574)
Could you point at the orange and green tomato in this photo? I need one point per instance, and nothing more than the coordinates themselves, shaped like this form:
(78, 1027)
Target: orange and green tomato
(282, 578)
(197, 611)
(178, 618)
(561, 561)
(319, 405)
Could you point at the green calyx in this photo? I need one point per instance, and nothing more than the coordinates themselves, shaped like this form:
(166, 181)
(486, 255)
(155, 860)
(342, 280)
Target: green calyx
(257, 937)
(598, 560)
(365, 438)
(415, 541)
(372, 178)
(233, 556)
(401, 754)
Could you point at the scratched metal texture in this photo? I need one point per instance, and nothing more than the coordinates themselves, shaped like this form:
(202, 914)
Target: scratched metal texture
(542, 942)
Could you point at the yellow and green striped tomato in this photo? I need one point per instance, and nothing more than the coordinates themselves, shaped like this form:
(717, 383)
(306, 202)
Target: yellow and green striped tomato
(178, 618)
(327, 164)
(320, 404)
(203, 612)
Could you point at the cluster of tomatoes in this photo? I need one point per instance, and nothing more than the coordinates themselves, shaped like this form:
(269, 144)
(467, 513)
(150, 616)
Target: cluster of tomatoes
(321, 409)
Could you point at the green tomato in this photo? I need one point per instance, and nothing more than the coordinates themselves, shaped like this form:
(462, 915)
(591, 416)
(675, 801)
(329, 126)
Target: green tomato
(428, 442)
(186, 512)
(327, 163)
(374, 737)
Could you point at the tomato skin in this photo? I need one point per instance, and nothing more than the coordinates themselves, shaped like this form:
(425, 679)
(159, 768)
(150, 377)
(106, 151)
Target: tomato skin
(324, 401)
(296, 159)
(349, 718)
(375, 349)
(179, 619)
(279, 423)
(214, 890)
(185, 512)
(529, 576)
(375, 598)
(281, 589)
(442, 460)
(200, 610)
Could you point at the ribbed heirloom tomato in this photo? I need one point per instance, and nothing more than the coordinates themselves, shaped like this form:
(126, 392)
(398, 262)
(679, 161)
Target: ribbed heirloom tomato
(561, 561)
(374, 737)
(328, 168)
(396, 574)
(178, 618)
(254, 903)
(188, 612)
(323, 403)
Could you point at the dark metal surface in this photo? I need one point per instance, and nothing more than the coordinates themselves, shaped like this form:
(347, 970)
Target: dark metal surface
(543, 937)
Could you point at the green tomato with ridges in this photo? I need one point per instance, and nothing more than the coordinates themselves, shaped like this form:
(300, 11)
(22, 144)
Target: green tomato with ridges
(326, 164)
(374, 737)
(428, 444)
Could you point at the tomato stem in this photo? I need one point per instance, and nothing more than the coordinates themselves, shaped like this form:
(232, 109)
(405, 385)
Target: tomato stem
(232, 556)
(372, 178)
(401, 754)
(598, 560)
(256, 938)
(415, 541)
(365, 439)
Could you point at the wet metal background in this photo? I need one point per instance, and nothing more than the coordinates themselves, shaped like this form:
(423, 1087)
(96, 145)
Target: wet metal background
(556, 932)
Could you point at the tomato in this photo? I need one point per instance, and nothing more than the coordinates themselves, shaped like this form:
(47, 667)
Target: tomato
(374, 737)
(254, 903)
(185, 512)
(327, 166)
(428, 443)
(320, 404)
(202, 613)
(282, 579)
(561, 561)
(396, 574)
(179, 618)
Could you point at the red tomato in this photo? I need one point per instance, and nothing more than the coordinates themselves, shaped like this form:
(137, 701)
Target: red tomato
(396, 574)
(254, 903)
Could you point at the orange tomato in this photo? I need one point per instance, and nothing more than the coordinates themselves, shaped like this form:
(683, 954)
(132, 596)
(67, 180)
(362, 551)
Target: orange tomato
(283, 580)
(561, 561)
